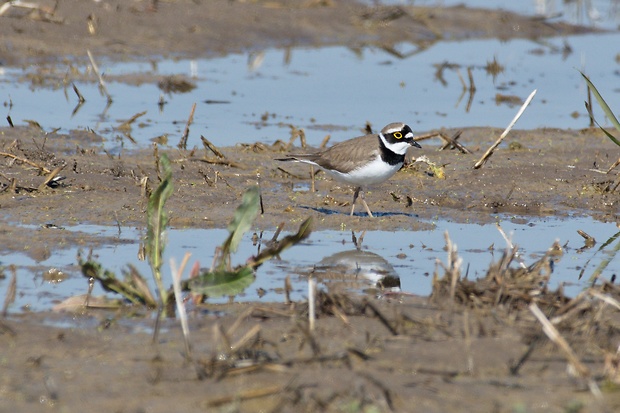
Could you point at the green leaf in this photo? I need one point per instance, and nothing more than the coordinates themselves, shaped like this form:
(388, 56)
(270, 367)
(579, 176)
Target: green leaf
(219, 283)
(157, 221)
(242, 221)
(606, 109)
(609, 135)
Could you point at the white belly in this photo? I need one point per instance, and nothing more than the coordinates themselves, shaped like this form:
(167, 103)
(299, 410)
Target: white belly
(373, 173)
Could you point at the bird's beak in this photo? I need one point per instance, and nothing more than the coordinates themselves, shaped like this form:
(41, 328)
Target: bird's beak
(414, 143)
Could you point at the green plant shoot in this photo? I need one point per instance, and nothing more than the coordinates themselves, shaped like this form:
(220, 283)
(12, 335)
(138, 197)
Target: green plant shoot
(241, 222)
(157, 221)
(606, 109)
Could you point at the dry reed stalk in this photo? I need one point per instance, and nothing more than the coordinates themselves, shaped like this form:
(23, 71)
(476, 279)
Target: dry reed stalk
(26, 161)
(489, 151)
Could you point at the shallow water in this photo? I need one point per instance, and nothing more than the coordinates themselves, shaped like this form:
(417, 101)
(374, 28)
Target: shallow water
(411, 255)
(332, 90)
(244, 98)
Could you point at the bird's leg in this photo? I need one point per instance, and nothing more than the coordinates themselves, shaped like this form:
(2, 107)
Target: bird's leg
(365, 204)
(355, 195)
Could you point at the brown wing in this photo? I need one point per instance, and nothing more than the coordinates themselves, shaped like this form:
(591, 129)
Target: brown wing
(346, 156)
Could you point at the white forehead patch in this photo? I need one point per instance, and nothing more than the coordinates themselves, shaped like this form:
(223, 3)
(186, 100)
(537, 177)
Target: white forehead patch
(396, 127)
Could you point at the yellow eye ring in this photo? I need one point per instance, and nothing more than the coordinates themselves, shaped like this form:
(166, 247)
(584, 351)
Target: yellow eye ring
(398, 135)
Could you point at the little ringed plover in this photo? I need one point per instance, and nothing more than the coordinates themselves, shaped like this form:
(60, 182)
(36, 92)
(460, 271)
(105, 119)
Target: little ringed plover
(365, 160)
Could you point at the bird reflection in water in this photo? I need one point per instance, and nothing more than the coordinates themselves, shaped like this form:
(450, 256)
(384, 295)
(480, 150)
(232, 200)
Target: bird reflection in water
(357, 269)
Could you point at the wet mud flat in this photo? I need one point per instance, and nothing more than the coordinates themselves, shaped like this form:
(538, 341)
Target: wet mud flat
(470, 346)
(183, 28)
(67, 179)
(475, 344)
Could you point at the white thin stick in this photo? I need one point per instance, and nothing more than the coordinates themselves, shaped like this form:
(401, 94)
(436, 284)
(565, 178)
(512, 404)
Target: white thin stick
(246, 337)
(311, 302)
(489, 151)
(510, 245)
(605, 298)
(101, 81)
(22, 4)
(178, 298)
(5, 7)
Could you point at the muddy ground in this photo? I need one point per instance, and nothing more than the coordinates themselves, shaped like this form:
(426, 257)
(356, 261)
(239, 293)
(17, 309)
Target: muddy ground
(458, 351)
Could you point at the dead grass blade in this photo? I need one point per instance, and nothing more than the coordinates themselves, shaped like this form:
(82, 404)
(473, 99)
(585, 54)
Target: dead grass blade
(183, 142)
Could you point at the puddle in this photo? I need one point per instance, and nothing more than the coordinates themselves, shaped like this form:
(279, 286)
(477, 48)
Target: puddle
(244, 98)
(405, 256)
(333, 90)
